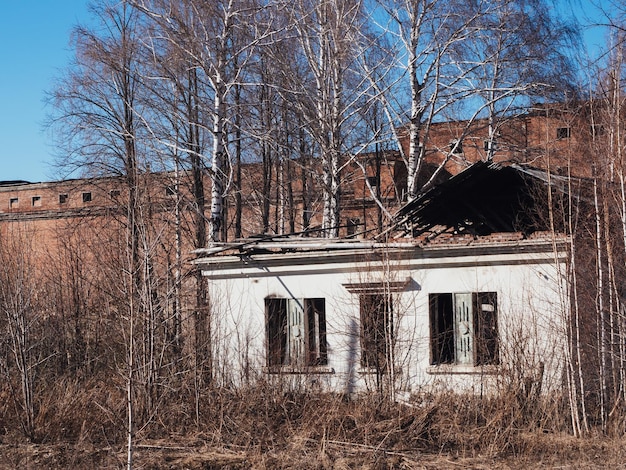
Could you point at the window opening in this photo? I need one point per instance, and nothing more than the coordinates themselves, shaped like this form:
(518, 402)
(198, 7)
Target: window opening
(464, 328)
(400, 179)
(372, 181)
(87, 197)
(597, 130)
(63, 198)
(296, 332)
(563, 133)
(456, 147)
(489, 145)
(376, 330)
(352, 226)
(36, 201)
(14, 203)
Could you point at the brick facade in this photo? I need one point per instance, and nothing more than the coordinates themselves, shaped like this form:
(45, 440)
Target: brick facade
(546, 138)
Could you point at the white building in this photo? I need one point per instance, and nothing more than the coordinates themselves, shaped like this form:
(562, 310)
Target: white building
(471, 314)
(476, 298)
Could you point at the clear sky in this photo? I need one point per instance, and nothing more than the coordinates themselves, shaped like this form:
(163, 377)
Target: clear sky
(34, 48)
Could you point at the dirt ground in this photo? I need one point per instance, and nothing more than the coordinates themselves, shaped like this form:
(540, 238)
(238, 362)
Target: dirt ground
(197, 454)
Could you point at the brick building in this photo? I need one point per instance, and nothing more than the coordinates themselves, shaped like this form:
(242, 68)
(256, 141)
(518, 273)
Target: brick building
(548, 137)
(289, 200)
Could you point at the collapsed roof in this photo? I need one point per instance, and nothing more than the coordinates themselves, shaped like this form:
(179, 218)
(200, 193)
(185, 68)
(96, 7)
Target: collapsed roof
(485, 198)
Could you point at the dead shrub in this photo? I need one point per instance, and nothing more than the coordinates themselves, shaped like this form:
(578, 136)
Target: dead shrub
(271, 426)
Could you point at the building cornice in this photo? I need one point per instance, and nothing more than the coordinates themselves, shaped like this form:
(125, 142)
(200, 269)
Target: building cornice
(394, 257)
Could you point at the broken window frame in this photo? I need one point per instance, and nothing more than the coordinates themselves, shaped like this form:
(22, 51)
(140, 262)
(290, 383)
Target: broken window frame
(464, 329)
(295, 333)
(386, 289)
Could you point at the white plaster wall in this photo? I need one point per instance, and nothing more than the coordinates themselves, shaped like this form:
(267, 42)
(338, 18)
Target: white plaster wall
(530, 321)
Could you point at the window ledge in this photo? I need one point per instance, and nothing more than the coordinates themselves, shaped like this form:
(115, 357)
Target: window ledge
(462, 369)
(310, 370)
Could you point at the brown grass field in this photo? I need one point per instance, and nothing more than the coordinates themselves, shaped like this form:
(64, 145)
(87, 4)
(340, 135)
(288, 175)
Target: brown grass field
(263, 428)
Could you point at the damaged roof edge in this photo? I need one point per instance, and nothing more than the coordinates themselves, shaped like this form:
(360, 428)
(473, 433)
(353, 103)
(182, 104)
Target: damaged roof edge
(410, 257)
(320, 252)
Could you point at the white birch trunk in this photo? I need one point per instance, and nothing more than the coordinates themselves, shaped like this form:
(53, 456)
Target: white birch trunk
(414, 156)
(217, 162)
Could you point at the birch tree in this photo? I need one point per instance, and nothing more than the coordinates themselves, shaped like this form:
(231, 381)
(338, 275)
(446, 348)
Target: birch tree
(328, 33)
(215, 39)
(457, 61)
(606, 143)
(517, 55)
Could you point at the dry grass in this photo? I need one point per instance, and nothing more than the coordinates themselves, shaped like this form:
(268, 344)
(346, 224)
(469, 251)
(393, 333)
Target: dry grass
(81, 426)
(592, 453)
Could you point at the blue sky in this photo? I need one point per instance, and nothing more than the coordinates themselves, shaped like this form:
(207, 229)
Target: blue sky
(34, 48)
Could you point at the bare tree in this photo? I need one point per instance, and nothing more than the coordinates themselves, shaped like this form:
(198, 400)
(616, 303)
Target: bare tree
(215, 40)
(99, 113)
(458, 61)
(18, 303)
(328, 32)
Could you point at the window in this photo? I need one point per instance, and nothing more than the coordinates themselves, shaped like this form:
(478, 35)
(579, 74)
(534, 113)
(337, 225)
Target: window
(376, 318)
(352, 225)
(14, 203)
(296, 332)
(114, 193)
(456, 146)
(464, 328)
(489, 145)
(372, 181)
(87, 197)
(376, 330)
(400, 179)
(36, 201)
(563, 133)
(597, 130)
(170, 190)
(63, 198)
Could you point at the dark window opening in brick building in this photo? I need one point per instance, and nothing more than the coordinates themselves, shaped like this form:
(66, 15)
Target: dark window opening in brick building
(456, 147)
(563, 133)
(352, 226)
